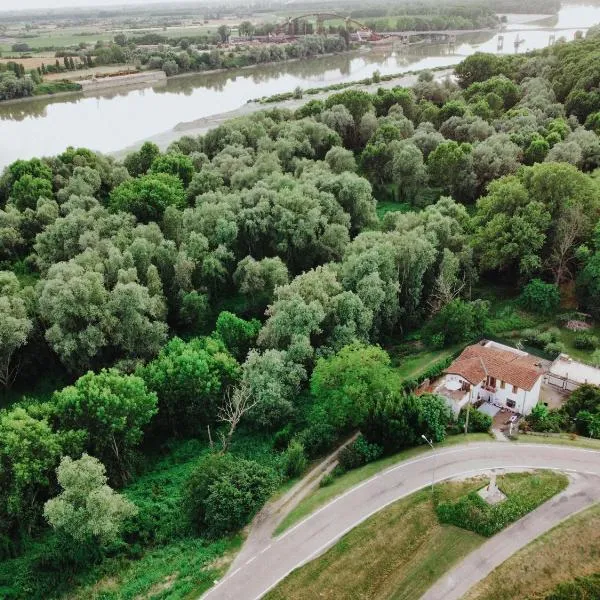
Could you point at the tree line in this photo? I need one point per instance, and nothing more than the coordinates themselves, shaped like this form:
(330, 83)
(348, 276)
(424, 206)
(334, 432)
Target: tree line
(241, 281)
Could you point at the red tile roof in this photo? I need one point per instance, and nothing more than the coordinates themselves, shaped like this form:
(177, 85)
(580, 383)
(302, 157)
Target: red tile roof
(477, 362)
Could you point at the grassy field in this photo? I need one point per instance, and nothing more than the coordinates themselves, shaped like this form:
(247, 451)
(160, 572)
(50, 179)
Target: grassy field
(402, 550)
(399, 553)
(536, 570)
(562, 439)
(411, 366)
(322, 495)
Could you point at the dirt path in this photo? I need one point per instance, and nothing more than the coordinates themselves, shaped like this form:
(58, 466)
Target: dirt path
(254, 575)
(264, 524)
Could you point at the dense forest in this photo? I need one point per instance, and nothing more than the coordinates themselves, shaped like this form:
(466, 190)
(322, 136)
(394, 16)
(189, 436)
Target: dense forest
(181, 332)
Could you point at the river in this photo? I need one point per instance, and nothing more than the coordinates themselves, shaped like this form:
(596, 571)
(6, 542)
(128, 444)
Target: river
(110, 121)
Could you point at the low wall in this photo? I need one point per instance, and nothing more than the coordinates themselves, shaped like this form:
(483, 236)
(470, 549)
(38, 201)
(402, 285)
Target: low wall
(92, 85)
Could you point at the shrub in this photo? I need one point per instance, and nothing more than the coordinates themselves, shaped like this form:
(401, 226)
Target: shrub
(318, 439)
(326, 480)
(555, 348)
(525, 492)
(223, 493)
(282, 438)
(478, 422)
(585, 341)
(540, 297)
(544, 420)
(294, 459)
(358, 453)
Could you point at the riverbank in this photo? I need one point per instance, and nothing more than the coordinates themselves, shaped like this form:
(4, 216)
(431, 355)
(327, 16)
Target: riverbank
(202, 125)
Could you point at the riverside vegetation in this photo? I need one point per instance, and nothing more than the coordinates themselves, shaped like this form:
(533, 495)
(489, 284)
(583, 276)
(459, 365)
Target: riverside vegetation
(181, 332)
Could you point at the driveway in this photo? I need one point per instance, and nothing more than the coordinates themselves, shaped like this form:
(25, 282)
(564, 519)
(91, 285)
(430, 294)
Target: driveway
(312, 536)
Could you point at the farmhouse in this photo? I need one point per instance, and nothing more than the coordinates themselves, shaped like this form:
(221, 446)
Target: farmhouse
(505, 377)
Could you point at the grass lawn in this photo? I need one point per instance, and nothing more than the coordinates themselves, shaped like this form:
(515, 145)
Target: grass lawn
(322, 495)
(397, 553)
(402, 550)
(572, 549)
(524, 492)
(413, 365)
(562, 439)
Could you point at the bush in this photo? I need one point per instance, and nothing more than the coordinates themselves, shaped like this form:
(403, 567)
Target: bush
(525, 492)
(478, 421)
(359, 453)
(294, 459)
(282, 438)
(544, 420)
(585, 341)
(223, 493)
(539, 297)
(318, 439)
(326, 480)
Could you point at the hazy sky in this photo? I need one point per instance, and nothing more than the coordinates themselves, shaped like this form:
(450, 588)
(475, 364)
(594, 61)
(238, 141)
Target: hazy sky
(29, 4)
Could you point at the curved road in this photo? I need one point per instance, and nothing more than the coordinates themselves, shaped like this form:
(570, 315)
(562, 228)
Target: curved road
(323, 528)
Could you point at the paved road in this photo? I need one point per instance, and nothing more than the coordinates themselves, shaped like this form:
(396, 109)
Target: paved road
(266, 521)
(583, 491)
(322, 529)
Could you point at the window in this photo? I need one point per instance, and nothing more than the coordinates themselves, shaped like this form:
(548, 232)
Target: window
(502, 385)
(515, 389)
(511, 403)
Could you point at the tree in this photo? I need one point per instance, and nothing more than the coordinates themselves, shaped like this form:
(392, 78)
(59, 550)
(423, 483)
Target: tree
(348, 384)
(224, 33)
(148, 196)
(29, 453)
(339, 160)
(246, 28)
(458, 321)
(274, 381)
(73, 307)
(27, 190)
(139, 163)
(237, 334)
(15, 326)
(174, 163)
(477, 67)
(235, 405)
(510, 228)
(224, 493)
(112, 409)
(189, 379)
(356, 101)
(260, 278)
(450, 167)
(495, 157)
(540, 297)
(407, 168)
(87, 510)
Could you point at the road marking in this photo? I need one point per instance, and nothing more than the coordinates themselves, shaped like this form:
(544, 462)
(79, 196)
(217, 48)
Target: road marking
(338, 536)
(265, 549)
(250, 560)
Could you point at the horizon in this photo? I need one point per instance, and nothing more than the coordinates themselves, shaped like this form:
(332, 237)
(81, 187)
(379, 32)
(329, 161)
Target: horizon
(23, 6)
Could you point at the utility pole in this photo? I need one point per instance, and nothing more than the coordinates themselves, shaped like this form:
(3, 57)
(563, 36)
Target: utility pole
(430, 442)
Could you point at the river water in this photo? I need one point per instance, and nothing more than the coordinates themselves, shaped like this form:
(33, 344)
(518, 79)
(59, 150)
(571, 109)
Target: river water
(110, 121)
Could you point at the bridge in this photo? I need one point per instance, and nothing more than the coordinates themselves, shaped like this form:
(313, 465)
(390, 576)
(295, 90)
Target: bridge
(293, 25)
